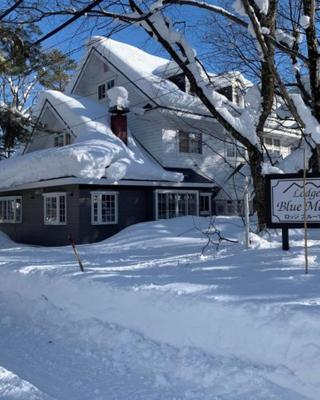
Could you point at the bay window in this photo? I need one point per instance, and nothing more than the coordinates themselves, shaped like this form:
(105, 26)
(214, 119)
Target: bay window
(205, 204)
(176, 203)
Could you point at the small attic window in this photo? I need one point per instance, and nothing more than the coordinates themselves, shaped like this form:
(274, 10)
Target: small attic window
(111, 84)
(63, 139)
(179, 80)
(101, 91)
(227, 92)
(105, 67)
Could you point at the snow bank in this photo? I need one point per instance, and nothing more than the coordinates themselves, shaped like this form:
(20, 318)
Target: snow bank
(94, 149)
(152, 318)
(12, 387)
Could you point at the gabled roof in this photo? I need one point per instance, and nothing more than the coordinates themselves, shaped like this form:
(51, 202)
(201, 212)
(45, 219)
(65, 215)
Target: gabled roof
(146, 72)
(95, 153)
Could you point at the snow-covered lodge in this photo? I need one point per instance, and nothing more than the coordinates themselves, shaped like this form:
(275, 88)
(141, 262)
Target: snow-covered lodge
(127, 142)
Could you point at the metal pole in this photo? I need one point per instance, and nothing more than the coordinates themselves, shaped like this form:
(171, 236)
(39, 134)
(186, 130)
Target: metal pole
(305, 212)
(246, 212)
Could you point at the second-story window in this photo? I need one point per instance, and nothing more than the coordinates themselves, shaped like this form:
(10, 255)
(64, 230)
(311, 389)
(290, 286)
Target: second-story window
(111, 84)
(273, 145)
(190, 142)
(231, 150)
(101, 91)
(63, 139)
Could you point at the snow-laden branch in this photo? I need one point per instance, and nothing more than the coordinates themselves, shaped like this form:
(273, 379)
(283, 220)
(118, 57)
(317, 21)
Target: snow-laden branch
(243, 127)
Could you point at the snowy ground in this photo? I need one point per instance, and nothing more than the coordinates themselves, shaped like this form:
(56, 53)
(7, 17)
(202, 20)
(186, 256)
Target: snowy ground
(151, 318)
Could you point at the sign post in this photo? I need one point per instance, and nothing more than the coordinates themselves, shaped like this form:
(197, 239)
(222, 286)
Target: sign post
(246, 212)
(305, 211)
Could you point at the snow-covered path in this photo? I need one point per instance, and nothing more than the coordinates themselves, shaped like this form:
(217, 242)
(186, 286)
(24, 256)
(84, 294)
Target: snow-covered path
(153, 319)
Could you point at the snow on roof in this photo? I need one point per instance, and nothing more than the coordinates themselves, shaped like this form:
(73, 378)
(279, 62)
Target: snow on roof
(225, 79)
(146, 69)
(95, 153)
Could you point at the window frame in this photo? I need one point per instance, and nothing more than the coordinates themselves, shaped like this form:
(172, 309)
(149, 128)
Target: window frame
(100, 193)
(66, 139)
(168, 191)
(203, 213)
(272, 147)
(102, 93)
(109, 81)
(14, 220)
(190, 142)
(57, 196)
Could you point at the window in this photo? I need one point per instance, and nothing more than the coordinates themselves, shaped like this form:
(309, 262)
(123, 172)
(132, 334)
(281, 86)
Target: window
(190, 142)
(101, 91)
(55, 212)
(63, 139)
(173, 203)
(231, 207)
(11, 209)
(273, 145)
(231, 150)
(111, 84)
(104, 208)
(205, 204)
(237, 98)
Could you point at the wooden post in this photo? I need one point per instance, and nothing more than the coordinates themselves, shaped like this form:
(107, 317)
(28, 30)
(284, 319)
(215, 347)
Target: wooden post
(285, 239)
(305, 213)
(73, 244)
(246, 211)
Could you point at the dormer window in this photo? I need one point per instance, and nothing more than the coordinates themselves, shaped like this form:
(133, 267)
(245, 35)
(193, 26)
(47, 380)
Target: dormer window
(227, 92)
(63, 139)
(179, 80)
(102, 91)
(238, 97)
(111, 84)
(190, 142)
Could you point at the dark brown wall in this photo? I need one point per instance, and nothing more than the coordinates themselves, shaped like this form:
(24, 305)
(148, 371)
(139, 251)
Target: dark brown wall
(32, 230)
(134, 205)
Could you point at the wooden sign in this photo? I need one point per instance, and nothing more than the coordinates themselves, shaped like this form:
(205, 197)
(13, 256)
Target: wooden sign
(289, 203)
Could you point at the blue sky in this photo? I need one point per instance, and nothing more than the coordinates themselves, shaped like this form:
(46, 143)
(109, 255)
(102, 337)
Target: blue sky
(72, 39)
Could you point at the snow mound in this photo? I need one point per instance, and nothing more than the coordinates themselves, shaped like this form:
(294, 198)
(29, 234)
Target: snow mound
(12, 387)
(118, 97)
(5, 241)
(153, 318)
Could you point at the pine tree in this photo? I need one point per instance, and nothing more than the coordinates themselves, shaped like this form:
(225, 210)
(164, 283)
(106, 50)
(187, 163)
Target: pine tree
(24, 69)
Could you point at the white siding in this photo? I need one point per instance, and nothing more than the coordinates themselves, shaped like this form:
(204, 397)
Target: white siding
(96, 72)
(43, 140)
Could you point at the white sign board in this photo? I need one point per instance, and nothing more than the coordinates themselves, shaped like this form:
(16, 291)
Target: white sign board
(287, 200)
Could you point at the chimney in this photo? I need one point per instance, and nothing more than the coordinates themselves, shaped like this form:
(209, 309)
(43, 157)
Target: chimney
(119, 125)
(118, 97)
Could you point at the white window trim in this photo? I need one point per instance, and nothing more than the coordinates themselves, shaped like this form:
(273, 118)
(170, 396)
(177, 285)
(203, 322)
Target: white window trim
(167, 191)
(100, 194)
(210, 203)
(14, 221)
(57, 195)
